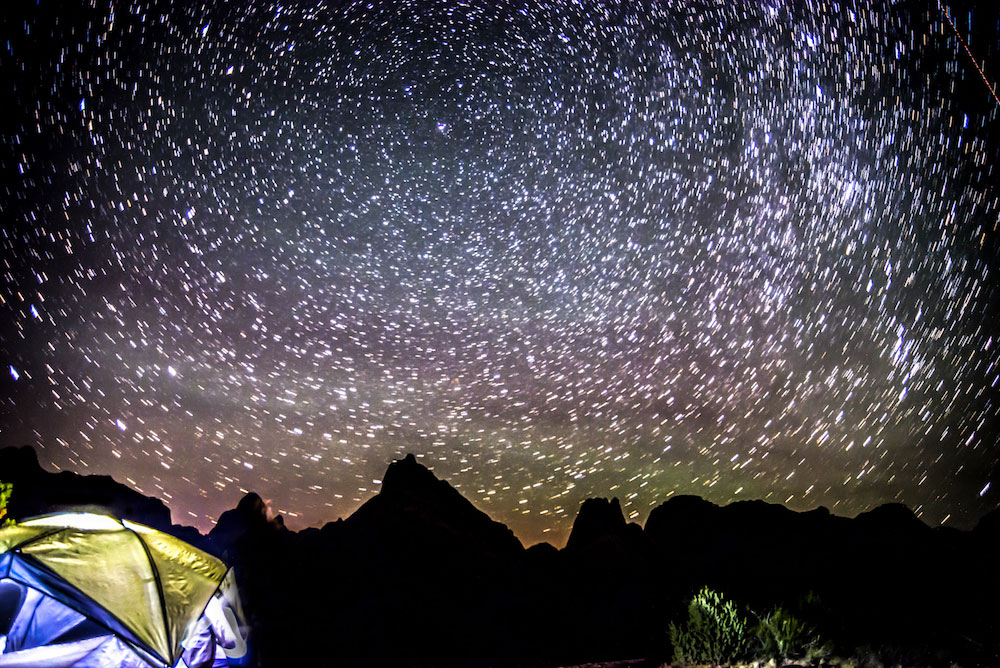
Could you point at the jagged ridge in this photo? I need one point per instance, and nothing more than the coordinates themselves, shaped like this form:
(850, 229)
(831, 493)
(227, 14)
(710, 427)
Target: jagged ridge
(419, 576)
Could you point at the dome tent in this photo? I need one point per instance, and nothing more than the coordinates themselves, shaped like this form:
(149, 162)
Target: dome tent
(86, 590)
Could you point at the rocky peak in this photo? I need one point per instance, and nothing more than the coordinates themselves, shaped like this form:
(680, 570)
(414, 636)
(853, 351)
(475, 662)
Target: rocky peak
(597, 520)
(19, 462)
(413, 501)
(249, 514)
(680, 515)
(408, 477)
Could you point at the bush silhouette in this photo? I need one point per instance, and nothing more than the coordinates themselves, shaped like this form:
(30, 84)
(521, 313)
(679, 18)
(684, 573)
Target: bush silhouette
(6, 489)
(716, 632)
(783, 636)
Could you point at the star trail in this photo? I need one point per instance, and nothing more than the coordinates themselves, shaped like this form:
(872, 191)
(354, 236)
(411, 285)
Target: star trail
(556, 249)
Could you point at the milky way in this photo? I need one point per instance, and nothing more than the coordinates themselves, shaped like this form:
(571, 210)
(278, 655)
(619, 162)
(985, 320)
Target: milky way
(555, 249)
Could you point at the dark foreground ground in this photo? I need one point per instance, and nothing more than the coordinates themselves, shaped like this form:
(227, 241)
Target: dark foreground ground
(419, 577)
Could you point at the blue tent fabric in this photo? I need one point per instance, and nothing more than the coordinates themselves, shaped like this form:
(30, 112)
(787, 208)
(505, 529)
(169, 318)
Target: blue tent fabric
(40, 620)
(42, 580)
(46, 622)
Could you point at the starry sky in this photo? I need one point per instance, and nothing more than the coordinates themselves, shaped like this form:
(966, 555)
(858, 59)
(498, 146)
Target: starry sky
(556, 249)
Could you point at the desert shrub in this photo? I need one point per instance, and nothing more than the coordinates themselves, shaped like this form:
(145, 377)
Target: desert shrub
(716, 632)
(783, 636)
(6, 489)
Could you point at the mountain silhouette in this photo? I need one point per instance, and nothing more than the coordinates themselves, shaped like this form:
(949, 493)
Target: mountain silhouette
(601, 521)
(414, 506)
(418, 576)
(37, 491)
(248, 519)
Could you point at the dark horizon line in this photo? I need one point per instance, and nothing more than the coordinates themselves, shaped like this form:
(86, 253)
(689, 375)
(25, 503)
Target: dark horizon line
(275, 516)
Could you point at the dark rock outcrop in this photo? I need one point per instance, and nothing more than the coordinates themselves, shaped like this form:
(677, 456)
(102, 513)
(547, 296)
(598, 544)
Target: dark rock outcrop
(988, 528)
(414, 505)
(37, 492)
(248, 520)
(598, 520)
(601, 551)
(679, 516)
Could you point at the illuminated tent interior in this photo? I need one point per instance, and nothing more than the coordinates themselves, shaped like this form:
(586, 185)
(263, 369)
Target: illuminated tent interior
(87, 590)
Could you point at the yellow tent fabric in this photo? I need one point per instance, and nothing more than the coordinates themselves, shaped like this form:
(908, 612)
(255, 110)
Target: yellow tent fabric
(156, 585)
(16, 534)
(188, 577)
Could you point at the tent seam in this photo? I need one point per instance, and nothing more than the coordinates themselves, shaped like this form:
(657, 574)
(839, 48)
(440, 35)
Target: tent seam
(28, 541)
(159, 591)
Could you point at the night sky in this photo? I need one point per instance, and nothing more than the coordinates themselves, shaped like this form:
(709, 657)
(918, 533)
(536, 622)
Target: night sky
(555, 249)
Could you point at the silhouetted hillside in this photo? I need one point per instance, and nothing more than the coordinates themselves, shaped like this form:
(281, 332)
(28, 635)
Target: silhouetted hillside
(418, 576)
(414, 508)
(37, 491)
